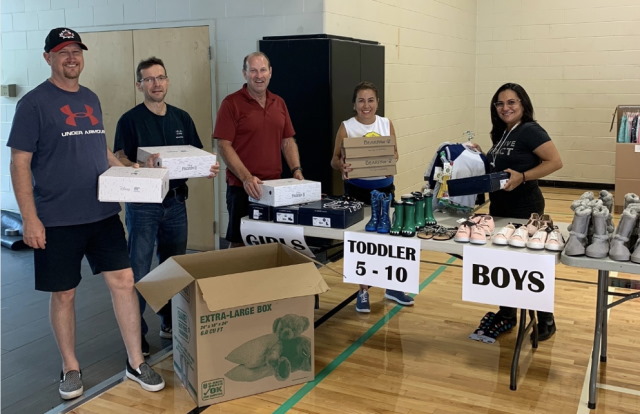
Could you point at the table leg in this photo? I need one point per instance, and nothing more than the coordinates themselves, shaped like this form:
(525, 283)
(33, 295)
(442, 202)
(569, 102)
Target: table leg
(605, 319)
(522, 327)
(603, 279)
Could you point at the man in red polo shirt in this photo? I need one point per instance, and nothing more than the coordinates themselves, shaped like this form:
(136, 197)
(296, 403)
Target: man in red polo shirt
(252, 128)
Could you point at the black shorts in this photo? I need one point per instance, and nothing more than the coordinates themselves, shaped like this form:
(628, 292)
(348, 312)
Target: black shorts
(57, 266)
(238, 207)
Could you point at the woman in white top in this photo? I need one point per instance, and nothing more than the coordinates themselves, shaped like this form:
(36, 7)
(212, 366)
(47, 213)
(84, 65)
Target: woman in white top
(365, 124)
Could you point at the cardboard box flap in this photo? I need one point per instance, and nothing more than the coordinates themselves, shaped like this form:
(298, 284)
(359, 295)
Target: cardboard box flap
(260, 286)
(163, 282)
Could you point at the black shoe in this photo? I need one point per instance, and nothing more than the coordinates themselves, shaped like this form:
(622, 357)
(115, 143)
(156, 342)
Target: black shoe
(546, 329)
(145, 346)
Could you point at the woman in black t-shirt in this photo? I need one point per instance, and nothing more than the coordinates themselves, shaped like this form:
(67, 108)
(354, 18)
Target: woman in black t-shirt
(522, 148)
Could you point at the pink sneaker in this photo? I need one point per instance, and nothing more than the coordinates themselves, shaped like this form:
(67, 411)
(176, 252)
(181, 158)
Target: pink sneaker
(482, 230)
(555, 241)
(519, 237)
(537, 241)
(463, 235)
(533, 224)
(501, 238)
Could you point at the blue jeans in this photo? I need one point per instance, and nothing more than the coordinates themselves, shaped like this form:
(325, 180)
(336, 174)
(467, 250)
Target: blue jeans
(147, 224)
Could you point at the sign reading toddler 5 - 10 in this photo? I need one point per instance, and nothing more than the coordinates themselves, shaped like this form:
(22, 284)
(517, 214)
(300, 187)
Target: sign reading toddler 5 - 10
(509, 278)
(382, 261)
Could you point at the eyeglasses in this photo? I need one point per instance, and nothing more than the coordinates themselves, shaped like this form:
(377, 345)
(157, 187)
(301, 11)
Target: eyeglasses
(151, 79)
(510, 103)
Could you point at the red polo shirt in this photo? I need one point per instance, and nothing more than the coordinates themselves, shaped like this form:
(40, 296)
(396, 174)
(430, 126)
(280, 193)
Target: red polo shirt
(255, 133)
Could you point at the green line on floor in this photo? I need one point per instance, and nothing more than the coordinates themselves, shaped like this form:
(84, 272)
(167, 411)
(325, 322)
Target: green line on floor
(306, 388)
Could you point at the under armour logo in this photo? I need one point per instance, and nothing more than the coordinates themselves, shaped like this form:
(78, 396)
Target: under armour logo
(71, 118)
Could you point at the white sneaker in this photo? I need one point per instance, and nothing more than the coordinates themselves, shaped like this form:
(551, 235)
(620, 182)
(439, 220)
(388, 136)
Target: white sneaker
(555, 241)
(501, 238)
(519, 237)
(537, 241)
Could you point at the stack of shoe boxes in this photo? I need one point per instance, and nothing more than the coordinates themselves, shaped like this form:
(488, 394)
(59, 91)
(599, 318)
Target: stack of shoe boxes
(370, 156)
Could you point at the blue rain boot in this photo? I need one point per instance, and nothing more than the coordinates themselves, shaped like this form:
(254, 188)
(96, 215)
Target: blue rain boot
(372, 225)
(384, 224)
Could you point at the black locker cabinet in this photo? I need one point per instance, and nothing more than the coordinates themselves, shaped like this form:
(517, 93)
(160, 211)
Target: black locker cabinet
(315, 75)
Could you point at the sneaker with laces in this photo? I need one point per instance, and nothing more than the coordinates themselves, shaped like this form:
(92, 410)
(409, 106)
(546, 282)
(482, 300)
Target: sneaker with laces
(555, 241)
(400, 297)
(502, 236)
(539, 238)
(70, 385)
(166, 332)
(144, 345)
(362, 302)
(148, 379)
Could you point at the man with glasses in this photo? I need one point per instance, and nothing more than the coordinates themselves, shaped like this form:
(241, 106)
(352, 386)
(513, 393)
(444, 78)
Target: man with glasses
(149, 124)
(58, 150)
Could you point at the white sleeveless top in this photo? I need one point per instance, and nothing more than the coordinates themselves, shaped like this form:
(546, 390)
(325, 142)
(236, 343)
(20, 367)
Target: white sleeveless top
(381, 127)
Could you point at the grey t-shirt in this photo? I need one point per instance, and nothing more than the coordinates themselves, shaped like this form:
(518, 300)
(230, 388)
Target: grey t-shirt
(65, 133)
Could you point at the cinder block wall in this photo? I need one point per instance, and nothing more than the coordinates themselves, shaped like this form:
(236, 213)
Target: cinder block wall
(576, 59)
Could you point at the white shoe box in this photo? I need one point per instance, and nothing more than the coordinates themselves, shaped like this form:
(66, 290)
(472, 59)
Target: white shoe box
(182, 161)
(133, 185)
(287, 191)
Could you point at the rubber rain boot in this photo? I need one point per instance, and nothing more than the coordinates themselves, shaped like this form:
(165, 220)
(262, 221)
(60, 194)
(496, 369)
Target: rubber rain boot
(619, 249)
(398, 218)
(420, 206)
(372, 225)
(384, 224)
(599, 247)
(409, 225)
(578, 235)
(429, 220)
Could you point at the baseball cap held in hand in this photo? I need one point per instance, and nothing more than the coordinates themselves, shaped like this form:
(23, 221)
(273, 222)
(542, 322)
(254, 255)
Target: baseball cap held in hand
(61, 37)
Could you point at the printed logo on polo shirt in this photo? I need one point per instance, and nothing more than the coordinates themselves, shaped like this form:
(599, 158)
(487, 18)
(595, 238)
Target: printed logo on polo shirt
(179, 134)
(71, 116)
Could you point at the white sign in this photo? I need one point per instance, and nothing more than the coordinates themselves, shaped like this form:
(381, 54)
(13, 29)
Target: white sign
(262, 232)
(509, 278)
(382, 261)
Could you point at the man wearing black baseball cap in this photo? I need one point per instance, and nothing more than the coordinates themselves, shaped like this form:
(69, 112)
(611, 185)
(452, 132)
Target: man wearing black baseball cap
(60, 37)
(58, 150)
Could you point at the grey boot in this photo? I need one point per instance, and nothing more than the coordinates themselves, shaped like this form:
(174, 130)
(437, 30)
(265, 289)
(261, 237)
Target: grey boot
(619, 250)
(607, 201)
(578, 236)
(635, 255)
(599, 247)
(630, 198)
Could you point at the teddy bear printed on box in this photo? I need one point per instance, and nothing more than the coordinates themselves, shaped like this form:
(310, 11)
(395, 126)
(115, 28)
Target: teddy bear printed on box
(279, 353)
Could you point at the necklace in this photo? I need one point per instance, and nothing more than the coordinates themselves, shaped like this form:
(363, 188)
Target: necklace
(496, 150)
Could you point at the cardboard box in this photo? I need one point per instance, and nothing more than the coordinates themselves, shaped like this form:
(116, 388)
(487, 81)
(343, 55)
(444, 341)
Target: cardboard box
(242, 318)
(331, 213)
(385, 161)
(260, 212)
(628, 161)
(624, 186)
(367, 147)
(380, 171)
(288, 191)
(133, 185)
(479, 184)
(182, 161)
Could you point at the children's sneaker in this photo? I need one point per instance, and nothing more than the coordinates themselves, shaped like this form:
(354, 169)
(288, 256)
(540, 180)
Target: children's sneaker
(166, 332)
(148, 379)
(499, 325)
(70, 385)
(362, 302)
(555, 241)
(501, 238)
(519, 237)
(400, 297)
(485, 324)
(537, 241)
(482, 230)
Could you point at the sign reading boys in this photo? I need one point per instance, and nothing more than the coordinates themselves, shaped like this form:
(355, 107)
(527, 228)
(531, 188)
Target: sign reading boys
(509, 278)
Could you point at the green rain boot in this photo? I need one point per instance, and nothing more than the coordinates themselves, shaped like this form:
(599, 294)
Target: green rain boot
(398, 218)
(429, 220)
(420, 210)
(384, 224)
(409, 225)
(372, 225)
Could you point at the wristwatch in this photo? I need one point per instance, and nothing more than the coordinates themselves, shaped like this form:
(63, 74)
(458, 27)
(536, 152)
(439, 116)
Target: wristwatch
(294, 169)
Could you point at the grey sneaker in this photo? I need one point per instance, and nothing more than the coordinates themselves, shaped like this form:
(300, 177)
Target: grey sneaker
(148, 379)
(71, 385)
(166, 332)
